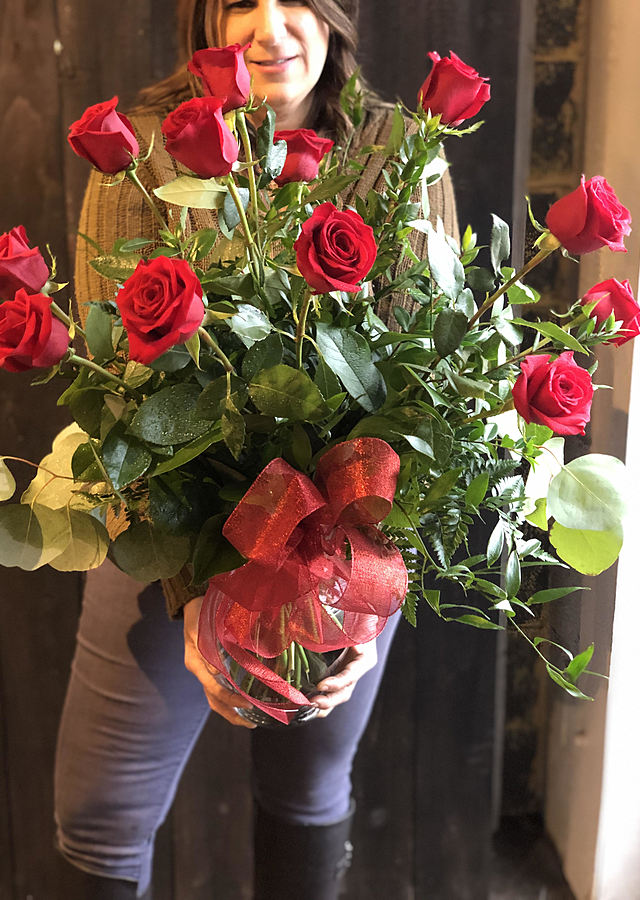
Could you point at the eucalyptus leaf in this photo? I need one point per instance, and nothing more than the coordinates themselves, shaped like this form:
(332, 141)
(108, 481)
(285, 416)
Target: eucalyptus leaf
(589, 552)
(87, 546)
(146, 554)
(287, 393)
(20, 537)
(7, 481)
(348, 355)
(590, 493)
(196, 193)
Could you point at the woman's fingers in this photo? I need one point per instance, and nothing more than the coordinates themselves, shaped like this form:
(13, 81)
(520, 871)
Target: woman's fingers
(221, 700)
(338, 688)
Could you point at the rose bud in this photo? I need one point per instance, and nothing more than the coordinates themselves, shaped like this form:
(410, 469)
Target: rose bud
(305, 151)
(453, 90)
(336, 249)
(161, 306)
(589, 218)
(615, 297)
(104, 137)
(199, 138)
(556, 393)
(21, 266)
(30, 336)
(224, 74)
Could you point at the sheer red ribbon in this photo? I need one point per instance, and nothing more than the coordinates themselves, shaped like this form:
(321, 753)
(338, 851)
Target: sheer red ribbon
(319, 572)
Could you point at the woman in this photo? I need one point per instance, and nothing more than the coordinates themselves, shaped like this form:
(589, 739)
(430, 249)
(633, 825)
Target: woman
(133, 711)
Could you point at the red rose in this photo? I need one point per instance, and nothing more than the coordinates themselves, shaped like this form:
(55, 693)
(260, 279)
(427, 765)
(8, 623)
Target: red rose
(305, 151)
(555, 393)
(589, 218)
(615, 297)
(453, 89)
(161, 306)
(199, 138)
(336, 249)
(224, 74)
(104, 137)
(30, 336)
(21, 266)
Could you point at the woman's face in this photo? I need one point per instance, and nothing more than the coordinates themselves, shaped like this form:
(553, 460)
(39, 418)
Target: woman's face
(288, 50)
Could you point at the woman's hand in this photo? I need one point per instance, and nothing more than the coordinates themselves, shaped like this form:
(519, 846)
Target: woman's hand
(220, 699)
(337, 688)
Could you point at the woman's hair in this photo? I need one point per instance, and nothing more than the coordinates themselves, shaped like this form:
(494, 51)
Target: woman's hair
(199, 24)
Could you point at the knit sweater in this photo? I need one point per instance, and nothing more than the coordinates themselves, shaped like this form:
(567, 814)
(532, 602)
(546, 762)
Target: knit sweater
(120, 211)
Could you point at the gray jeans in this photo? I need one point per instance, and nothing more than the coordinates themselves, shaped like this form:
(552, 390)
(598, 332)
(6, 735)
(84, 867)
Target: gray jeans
(132, 716)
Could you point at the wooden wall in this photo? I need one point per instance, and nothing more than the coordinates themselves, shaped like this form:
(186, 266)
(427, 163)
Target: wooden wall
(424, 778)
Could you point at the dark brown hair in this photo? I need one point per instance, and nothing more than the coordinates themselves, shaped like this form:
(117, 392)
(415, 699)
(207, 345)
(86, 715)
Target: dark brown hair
(199, 27)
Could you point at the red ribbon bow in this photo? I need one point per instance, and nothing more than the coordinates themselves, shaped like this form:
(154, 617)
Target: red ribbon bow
(319, 572)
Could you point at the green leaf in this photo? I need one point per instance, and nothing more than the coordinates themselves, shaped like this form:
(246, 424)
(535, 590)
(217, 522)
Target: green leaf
(512, 574)
(132, 245)
(20, 537)
(212, 401)
(250, 324)
(262, 354)
(124, 458)
(589, 552)
(495, 543)
(500, 245)
(328, 189)
(468, 387)
(301, 450)
(287, 393)
(116, 268)
(87, 546)
(590, 493)
(325, 379)
(98, 333)
(190, 451)
(396, 136)
(448, 331)
(136, 374)
(446, 269)
(196, 193)
(192, 346)
(233, 429)
(433, 599)
(202, 243)
(410, 609)
(477, 622)
(538, 516)
(170, 417)
(171, 361)
(230, 215)
(442, 486)
(555, 333)
(566, 685)
(348, 355)
(551, 594)
(7, 481)
(265, 133)
(578, 664)
(146, 554)
(477, 490)
(56, 492)
(213, 553)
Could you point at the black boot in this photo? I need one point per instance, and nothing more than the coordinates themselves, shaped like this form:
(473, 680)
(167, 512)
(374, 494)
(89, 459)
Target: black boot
(94, 887)
(300, 862)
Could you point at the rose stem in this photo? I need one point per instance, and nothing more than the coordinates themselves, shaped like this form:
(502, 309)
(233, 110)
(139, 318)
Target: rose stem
(531, 350)
(248, 153)
(551, 244)
(133, 177)
(251, 245)
(60, 314)
(209, 341)
(90, 364)
(302, 324)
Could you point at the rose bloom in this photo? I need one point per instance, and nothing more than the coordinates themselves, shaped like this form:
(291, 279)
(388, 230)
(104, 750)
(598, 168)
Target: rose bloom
(104, 137)
(453, 90)
(305, 152)
(21, 266)
(199, 138)
(556, 393)
(30, 336)
(589, 218)
(336, 249)
(224, 74)
(161, 306)
(615, 297)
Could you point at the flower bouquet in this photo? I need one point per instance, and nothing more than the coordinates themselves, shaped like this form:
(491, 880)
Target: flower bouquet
(302, 410)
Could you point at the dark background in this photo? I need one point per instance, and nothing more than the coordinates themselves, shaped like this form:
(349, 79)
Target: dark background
(428, 773)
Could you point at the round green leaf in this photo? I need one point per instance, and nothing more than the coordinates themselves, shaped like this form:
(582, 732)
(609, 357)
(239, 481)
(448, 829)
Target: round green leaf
(170, 416)
(7, 482)
(589, 493)
(51, 491)
(87, 547)
(587, 551)
(147, 554)
(20, 537)
(287, 393)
